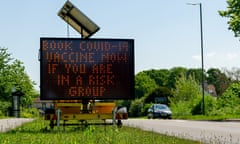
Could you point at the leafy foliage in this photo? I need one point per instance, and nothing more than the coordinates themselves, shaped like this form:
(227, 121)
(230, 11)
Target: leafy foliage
(229, 101)
(196, 74)
(184, 96)
(12, 74)
(186, 89)
(143, 84)
(183, 87)
(4, 108)
(210, 104)
(187, 99)
(29, 113)
(218, 79)
(181, 109)
(136, 108)
(175, 73)
(159, 76)
(233, 13)
(233, 74)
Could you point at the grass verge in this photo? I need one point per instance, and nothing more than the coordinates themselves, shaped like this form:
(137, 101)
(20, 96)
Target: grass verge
(31, 133)
(210, 118)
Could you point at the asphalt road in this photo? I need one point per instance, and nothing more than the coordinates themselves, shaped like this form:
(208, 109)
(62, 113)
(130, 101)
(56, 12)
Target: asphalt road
(7, 124)
(227, 132)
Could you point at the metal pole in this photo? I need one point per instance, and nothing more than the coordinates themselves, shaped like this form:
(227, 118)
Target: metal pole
(58, 118)
(201, 31)
(203, 105)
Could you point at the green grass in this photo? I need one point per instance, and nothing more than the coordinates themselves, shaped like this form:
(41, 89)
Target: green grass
(31, 133)
(205, 117)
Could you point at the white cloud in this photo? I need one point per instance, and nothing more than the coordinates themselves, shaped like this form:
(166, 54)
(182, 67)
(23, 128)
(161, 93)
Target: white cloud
(207, 55)
(211, 54)
(232, 56)
(217, 56)
(220, 60)
(196, 57)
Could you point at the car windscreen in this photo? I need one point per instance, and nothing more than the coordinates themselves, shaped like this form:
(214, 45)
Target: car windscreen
(161, 107)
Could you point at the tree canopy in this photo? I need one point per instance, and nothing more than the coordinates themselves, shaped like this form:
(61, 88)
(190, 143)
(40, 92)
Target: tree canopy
(181, 88)
(143, 84)
(233, 13)
(151, 81)
(218, 79)
(229, 102)
(13, 74)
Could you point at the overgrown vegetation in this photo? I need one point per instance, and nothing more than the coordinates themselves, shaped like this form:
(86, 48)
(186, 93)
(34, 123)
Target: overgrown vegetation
(30, 134)
(13, 74)
(181, 89)
(232, 12)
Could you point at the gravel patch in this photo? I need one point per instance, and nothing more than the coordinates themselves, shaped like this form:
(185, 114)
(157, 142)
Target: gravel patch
(11, 123)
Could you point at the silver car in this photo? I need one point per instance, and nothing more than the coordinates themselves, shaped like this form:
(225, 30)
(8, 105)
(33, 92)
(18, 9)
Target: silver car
(159, 111)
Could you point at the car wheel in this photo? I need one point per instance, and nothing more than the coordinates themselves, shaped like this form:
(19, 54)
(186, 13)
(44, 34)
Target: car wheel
(150, 116)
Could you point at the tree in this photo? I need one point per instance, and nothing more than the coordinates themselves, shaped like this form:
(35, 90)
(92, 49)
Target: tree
(136, 108)
(5, 59)
(218, 79)
(196, 74)
(186, 89)
(159, 76)
(233, 74)
(175, 73)
(12, 73)
(229, 101)
(185, 95)
(233, 13)
(20, 79)
(143, 84)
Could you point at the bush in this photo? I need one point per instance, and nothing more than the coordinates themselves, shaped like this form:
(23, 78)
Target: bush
(181, 109)
(186, 97)
(197, 108)
(210, 105)
(229, 102)
(136, 108)
(4, 108)
(145, 108)
(29, 113)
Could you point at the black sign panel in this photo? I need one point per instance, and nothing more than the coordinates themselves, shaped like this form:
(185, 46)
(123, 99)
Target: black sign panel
(73, 68)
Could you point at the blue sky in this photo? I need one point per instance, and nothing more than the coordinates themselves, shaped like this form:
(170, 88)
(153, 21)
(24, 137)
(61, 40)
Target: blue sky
(166, 32)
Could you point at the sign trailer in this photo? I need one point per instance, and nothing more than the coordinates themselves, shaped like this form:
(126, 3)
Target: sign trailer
(75, 72)
(86, 69)
(82, 75)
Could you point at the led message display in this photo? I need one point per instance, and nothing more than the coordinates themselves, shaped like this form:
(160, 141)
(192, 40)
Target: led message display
(72, 68)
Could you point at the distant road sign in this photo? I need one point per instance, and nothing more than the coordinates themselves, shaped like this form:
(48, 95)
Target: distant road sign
(73, 68)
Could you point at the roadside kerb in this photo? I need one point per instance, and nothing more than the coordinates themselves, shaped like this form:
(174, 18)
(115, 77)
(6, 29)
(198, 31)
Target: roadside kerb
(11, 123)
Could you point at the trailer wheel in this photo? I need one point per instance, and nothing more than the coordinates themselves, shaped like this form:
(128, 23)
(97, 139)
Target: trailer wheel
(119, 123)
(51, 124)
(83, 124)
